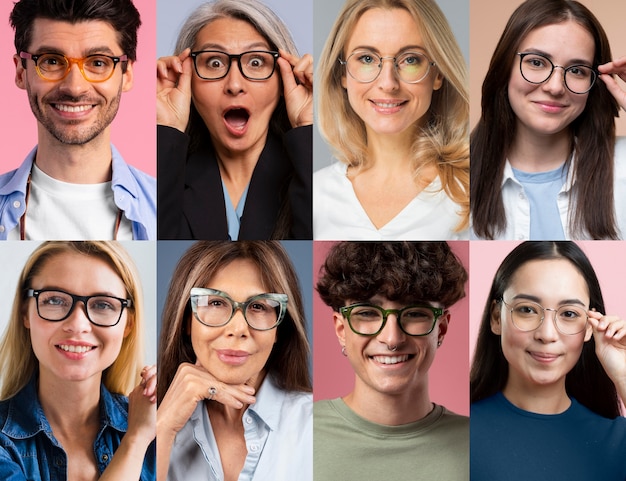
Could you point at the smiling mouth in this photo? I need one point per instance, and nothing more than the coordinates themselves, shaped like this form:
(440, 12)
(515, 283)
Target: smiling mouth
(391, 359)
(76, 349)
(72, 108)
(388, 105)
(237, 119)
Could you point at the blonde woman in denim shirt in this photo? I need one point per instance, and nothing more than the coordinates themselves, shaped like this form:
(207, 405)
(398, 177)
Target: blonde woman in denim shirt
(67, 364)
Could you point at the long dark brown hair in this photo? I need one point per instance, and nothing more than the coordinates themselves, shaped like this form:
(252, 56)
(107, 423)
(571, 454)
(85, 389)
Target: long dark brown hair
(587, 382)
(288, 361)
(591, 210)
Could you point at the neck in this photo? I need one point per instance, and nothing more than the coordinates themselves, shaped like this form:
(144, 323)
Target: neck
(535, 153)
(88, 163)
(390, 409)
(68, 404)
(232, 416)
(390, 151)
(540, 399)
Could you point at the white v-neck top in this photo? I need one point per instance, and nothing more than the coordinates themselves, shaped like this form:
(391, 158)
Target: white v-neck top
(338, 214)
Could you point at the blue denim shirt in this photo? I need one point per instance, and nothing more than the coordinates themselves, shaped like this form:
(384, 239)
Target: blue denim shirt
(134, 193)
(29, 450)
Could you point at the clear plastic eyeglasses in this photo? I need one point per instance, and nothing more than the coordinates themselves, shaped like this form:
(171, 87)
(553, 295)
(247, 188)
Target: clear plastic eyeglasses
(365, 66)
(537, 69)
(253, 65)
(94, 68)
(215, 308)
(528, 316)
(55, 305)
(368, 320)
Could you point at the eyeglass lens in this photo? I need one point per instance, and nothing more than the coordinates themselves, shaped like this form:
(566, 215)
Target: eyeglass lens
(95, 68)
(368, 320)
(528, 316)
(260, 312)
(537, 69)
(214, 65)
(365, 66)
(57, 305)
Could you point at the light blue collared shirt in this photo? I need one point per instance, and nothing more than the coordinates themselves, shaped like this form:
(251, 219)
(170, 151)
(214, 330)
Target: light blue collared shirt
(278, 432)
(134, 193)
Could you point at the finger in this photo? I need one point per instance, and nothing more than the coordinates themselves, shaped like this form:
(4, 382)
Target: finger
(594, 314)
(292, 59)
(303, 70)
(286, 73)
(228, 396)
(614, 89)
(150, 386)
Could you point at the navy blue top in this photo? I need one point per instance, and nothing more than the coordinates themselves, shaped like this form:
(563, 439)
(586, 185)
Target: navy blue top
(508, 443)
(29, 450)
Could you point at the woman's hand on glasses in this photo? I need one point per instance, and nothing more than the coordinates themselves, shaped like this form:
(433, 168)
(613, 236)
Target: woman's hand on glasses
(616, 67)
(174, 90)
(297, 76)
(609, 333)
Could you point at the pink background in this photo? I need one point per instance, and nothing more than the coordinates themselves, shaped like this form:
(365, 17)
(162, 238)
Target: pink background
(449, 376)
(133, 130)
(608, 259)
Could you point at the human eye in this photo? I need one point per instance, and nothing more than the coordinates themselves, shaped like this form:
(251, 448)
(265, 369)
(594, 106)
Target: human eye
(51, 61)
(103, 304)
(366, 58)
(257, 60)
(417, 314)
(579, 71)
(570, 313)
(536, 62)
(54, 299)
(98, 62)
(526, 309)
(366, 313)
(213, 61)
(412, 59)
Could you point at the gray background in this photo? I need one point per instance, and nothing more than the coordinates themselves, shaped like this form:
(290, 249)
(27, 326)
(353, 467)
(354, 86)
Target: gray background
(324, 14)
(300, 253)
(13, 256)
(296, 14)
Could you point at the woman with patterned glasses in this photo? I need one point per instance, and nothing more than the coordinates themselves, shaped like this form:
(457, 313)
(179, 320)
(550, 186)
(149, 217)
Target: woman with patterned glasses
(70, 355)
(234, 390)
(390, 304)
(546, 137)
(547, 371)
(394, 108)
(234, 108)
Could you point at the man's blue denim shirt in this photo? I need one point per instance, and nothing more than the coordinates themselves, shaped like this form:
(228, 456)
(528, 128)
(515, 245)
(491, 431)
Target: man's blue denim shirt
(29, 450)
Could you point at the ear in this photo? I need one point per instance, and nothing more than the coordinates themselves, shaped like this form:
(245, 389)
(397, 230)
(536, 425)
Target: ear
(26, 320)
(442, 325)
(438, 81)
(340, 328)
(20, 72)
(344, 82)
(496, 320)
(127, 77)
(130, 324)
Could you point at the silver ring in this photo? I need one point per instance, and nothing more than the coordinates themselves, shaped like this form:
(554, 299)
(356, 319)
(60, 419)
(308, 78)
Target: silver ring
(212, 393)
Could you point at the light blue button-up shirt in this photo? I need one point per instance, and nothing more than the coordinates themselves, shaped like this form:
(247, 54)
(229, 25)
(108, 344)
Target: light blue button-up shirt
(29, 450)
(134, 193)
(278, 433)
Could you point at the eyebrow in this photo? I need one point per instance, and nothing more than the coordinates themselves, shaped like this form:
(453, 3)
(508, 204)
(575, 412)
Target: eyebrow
(375, 50)
(573, 61)
(92, 51)
(563, 302)
(222, 48)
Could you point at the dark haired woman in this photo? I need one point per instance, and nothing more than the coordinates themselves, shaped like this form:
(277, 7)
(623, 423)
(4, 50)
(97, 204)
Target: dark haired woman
(547, 371)
(545, 163)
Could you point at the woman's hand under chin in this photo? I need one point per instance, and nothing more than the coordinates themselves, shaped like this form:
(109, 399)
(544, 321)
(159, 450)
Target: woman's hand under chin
(174, 90)
(609, 333)
(297, 77)
(616, 67)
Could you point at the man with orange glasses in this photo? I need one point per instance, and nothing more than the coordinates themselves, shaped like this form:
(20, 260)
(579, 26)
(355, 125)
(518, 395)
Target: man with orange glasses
(75, 59)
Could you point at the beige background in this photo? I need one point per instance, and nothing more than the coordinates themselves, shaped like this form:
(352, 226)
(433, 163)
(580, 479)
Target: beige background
(487, 21)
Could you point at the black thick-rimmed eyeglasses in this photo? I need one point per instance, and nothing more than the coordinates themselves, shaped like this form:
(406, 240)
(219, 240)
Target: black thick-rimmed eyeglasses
(55, 66)
(55, 305)
(368, 319)
(215, 308)
(253, 65)
(537, 68)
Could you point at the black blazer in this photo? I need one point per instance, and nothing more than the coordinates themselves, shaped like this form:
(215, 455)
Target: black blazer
(191, 199)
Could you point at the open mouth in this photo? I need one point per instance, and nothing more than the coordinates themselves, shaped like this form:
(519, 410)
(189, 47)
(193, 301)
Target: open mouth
(72, 108)
(75, 349)
(237, 119)
(392, 359)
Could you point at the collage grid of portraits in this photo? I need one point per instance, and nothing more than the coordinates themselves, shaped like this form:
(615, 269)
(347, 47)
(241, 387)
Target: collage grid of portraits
(477, 25)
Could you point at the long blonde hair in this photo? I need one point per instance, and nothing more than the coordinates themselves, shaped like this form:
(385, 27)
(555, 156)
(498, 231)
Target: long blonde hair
(17, 359)
(444, 141)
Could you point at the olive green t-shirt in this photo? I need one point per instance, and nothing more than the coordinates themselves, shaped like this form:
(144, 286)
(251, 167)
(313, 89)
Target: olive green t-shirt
(347, 447)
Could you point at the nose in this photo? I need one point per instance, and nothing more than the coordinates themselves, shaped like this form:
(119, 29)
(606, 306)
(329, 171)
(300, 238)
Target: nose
(388, 77)
(234, 81)
(77, 321)
(547, 331)
(556, 82)
(391, 334)
(237, 326)
(74, 82)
